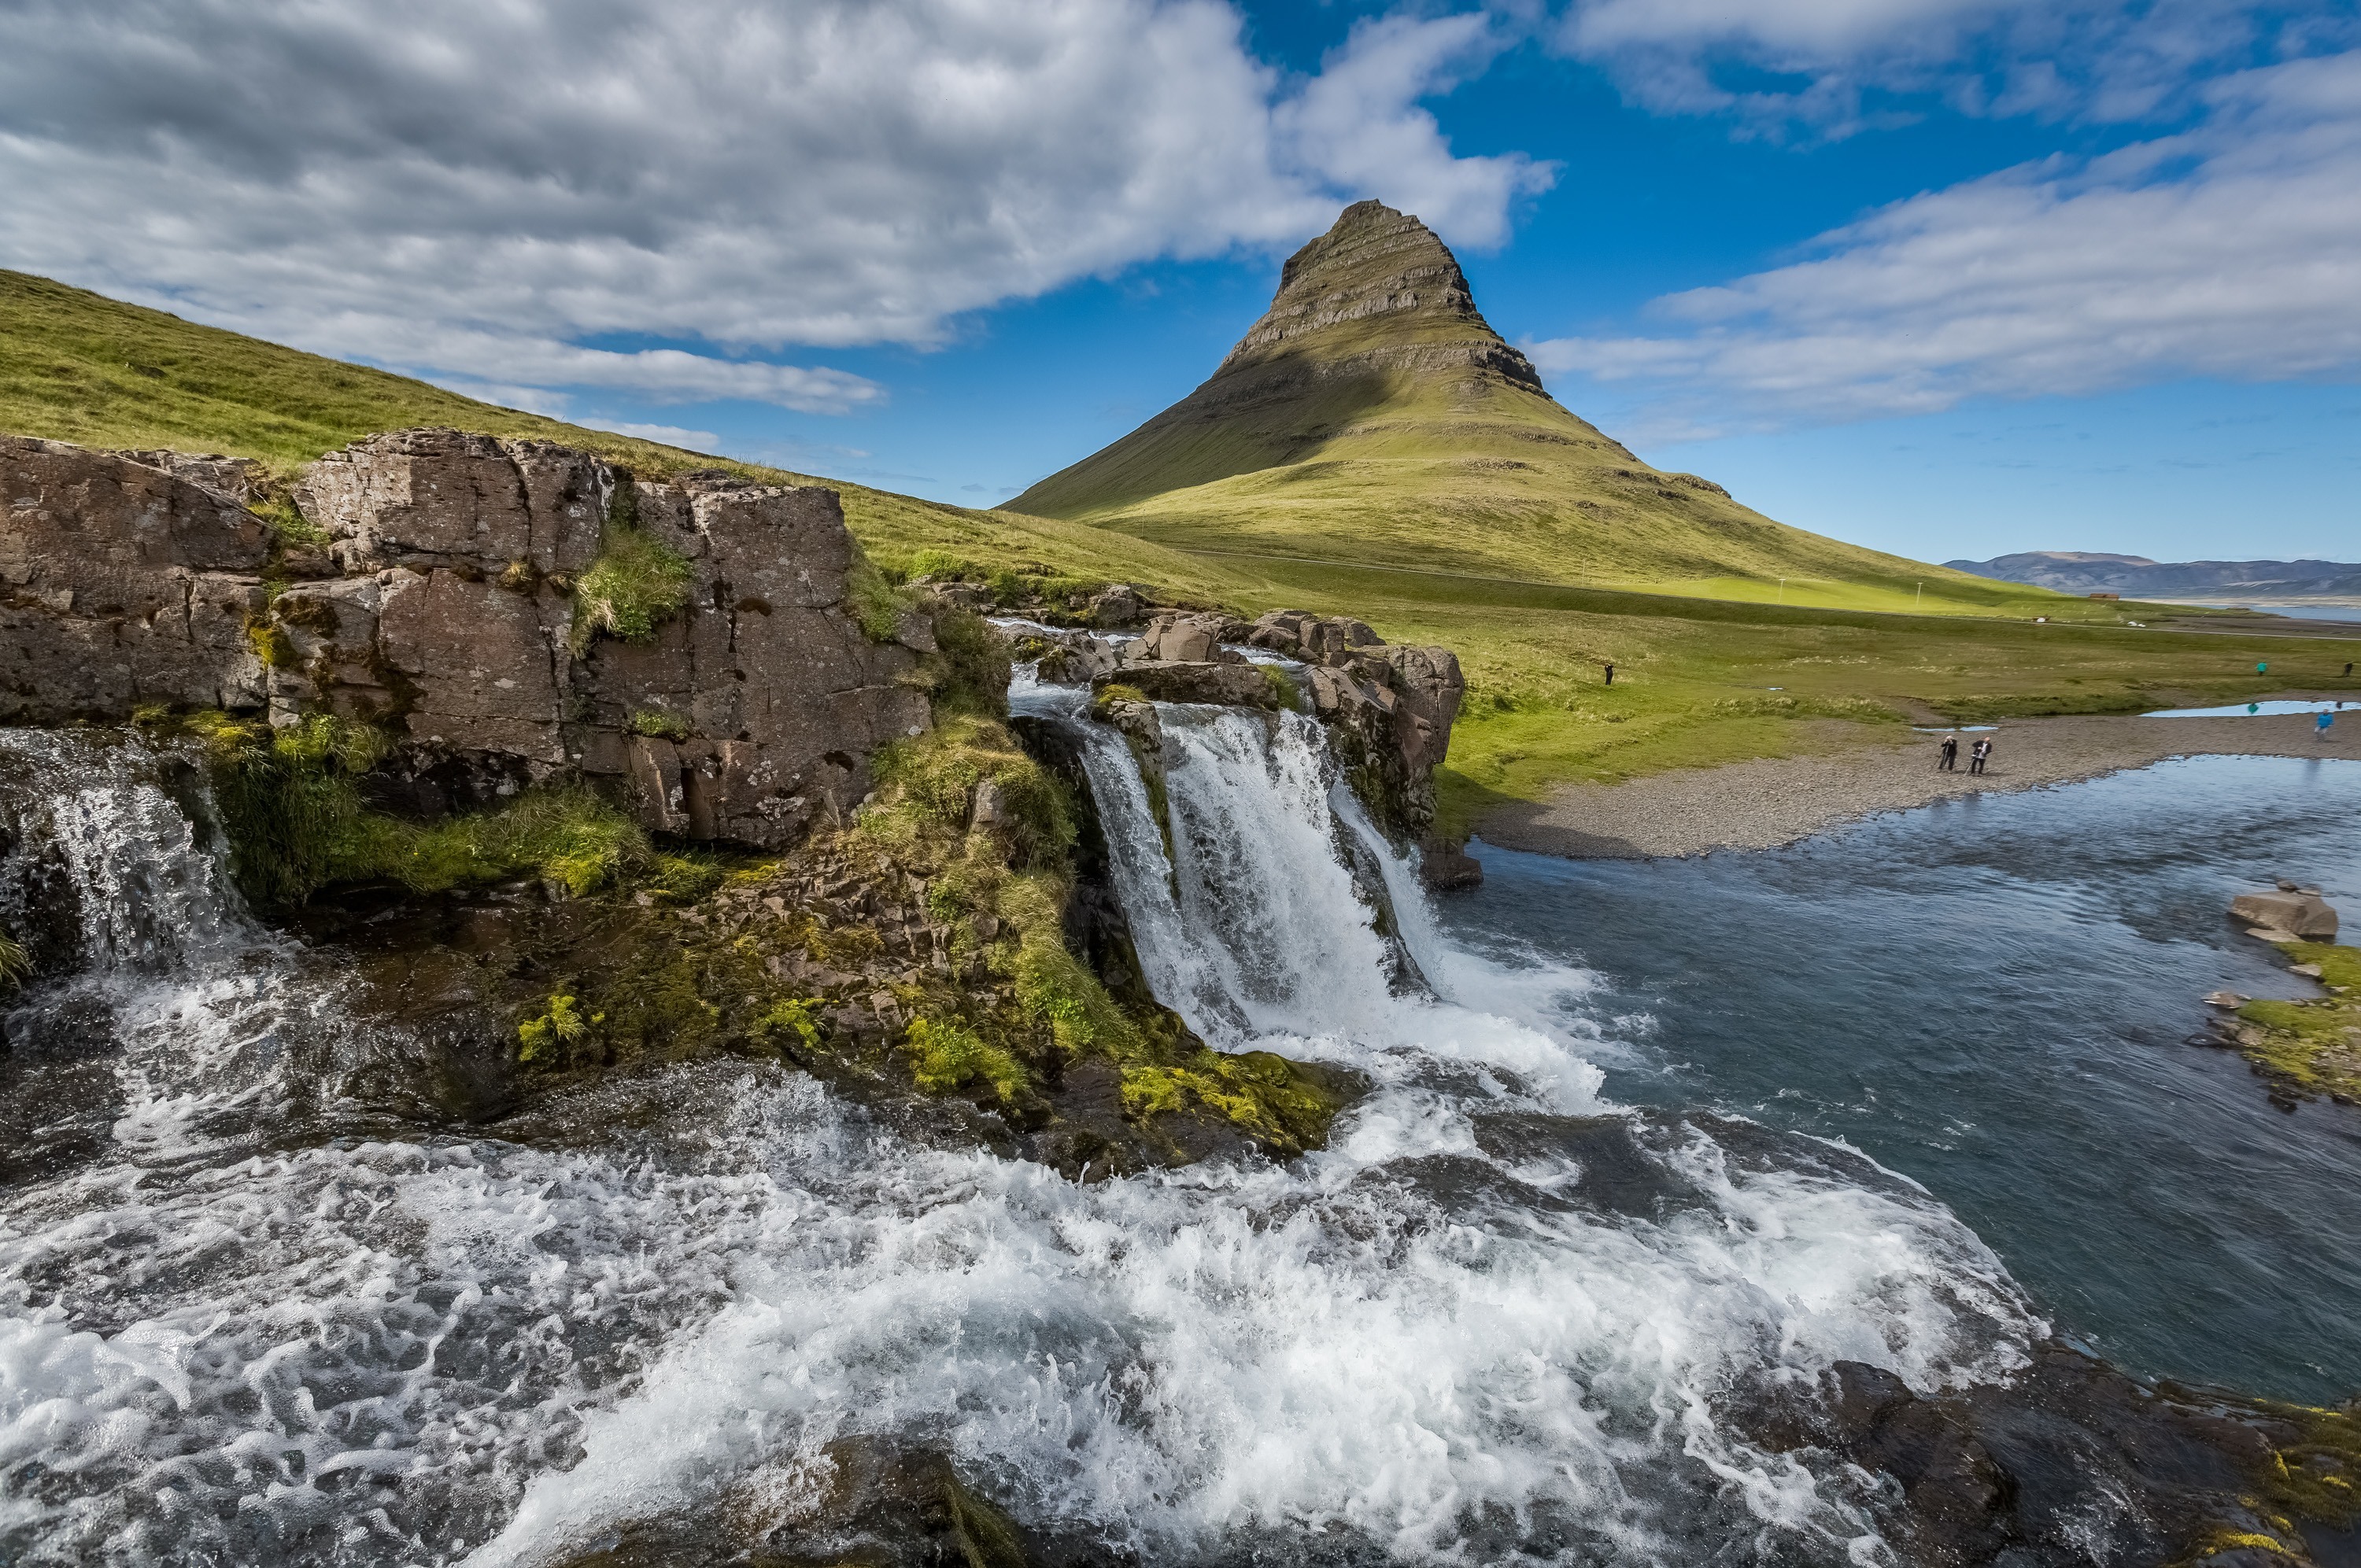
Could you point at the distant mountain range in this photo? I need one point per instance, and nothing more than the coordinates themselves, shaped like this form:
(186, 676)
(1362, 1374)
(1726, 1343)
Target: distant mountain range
(2136, 576)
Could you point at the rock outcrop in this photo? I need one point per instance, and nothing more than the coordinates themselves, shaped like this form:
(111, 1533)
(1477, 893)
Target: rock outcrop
(123, 585)
(2292, 911)
(450, 616)
(1388, 708)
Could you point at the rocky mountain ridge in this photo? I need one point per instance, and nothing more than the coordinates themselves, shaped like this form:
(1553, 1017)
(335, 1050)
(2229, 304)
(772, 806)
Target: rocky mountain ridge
(2136, 576)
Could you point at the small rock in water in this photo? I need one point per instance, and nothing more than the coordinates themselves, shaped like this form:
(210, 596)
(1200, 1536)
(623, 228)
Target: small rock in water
(2299, 914)
(2224, 999)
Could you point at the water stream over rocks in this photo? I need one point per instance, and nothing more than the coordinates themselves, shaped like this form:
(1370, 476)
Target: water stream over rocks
(251, 1313)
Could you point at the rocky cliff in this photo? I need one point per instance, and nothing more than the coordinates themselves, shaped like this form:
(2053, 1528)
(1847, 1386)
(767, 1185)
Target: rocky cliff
(460, 590)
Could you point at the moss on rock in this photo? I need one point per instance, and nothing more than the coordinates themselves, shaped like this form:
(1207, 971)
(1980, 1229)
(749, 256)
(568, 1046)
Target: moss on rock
(2310, 1048)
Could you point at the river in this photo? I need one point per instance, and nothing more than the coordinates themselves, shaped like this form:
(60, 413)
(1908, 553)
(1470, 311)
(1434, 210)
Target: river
(250, 1313)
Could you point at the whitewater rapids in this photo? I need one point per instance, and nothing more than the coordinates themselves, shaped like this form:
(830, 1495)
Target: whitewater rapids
(243, 1321)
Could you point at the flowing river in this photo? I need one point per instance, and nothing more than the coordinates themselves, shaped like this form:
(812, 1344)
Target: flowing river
(250, 1314)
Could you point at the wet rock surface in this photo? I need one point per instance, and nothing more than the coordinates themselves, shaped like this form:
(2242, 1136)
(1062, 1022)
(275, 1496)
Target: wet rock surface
(448, 609)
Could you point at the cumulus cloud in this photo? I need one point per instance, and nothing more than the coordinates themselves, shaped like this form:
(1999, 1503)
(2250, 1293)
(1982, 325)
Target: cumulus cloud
(1837, 66)
(533, 193)
(2232, 250)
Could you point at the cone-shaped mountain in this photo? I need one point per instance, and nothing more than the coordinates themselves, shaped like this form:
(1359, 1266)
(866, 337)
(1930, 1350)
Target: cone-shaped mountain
(1372, 414)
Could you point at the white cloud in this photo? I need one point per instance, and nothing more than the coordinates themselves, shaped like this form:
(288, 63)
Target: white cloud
(1358, 121)
(669, 434)
(1837, 66)
(528, 192)
(2232, 250)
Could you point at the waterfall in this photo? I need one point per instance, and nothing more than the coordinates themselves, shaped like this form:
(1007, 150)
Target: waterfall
(1494, 1321)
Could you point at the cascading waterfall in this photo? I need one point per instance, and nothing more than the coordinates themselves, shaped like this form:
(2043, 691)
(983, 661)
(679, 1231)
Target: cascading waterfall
(1490, 1323)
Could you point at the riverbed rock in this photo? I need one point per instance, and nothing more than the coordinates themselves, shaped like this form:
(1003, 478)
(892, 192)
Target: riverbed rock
(1187, 637)
(1240, 684)
(447, 617)
(1447, 867)
(2304, 915)
(1116, 605)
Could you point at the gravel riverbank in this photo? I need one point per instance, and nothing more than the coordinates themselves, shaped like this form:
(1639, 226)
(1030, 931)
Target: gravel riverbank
(1768, 802)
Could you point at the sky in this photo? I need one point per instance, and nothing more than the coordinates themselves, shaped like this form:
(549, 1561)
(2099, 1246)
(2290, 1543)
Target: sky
(1949, 278)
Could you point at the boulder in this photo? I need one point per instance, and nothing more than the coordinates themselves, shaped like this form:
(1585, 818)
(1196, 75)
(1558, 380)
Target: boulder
(1447, 867)
(1183, 638)
(1116, 605)
(1239, 684)
(2304, 915)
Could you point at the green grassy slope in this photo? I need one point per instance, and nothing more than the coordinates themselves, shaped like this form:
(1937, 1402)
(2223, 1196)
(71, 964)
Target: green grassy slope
(76, 367)
(1374, 416)
(79, 367)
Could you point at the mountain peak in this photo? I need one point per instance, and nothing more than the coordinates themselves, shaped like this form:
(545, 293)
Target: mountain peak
(1378, 282)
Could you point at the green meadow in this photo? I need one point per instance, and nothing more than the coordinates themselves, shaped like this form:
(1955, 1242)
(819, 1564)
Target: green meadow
(1858, 644)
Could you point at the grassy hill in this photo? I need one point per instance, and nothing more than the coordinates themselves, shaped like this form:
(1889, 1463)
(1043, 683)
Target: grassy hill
(78, 367)
(1373, 415)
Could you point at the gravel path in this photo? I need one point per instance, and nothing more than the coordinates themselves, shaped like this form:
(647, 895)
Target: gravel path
(1768, 802)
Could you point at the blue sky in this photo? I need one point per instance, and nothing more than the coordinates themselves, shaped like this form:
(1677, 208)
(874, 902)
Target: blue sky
(1947, 277)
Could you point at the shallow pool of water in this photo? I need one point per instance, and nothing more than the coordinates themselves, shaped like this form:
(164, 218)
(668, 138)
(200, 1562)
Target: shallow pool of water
(2239, 709)
(1991, 996)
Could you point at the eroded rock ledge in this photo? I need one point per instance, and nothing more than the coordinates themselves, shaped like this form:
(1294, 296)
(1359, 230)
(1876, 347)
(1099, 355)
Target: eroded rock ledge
(436, 592)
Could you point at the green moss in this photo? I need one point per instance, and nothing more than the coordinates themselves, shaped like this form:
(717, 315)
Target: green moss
(16, 967)
(786, 1025)
(290, 525)
(659, 724)
(271, 644)
(637, 583)
(933, 783)
(1284, 692)
(1268, 1097)
(549, 1040)
(947, 1055)
(561, 833)
(2307, 1049)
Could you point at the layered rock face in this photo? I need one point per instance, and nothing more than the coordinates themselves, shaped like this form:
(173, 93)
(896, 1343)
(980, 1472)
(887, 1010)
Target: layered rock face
(444, 609)
(121, 584)
(1374, 262)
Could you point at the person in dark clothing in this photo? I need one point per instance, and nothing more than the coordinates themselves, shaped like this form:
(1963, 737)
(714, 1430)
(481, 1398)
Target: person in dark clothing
(1610, 674)
(1979, 754)
(1948, 752)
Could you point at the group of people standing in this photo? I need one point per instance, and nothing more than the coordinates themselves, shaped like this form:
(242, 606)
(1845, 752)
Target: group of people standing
(1978, 754)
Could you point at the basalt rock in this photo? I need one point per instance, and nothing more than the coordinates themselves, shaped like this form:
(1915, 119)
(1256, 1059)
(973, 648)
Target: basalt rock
(450, 620)
(1187, 636)
(1241, 684)
(2072, 1461)
(2299, 914)
(121, 585)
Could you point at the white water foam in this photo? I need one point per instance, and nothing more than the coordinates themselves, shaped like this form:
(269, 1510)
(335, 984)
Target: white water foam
(433, 1349)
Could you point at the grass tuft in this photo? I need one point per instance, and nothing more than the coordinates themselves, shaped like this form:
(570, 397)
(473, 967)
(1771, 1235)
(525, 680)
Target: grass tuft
(637, 584)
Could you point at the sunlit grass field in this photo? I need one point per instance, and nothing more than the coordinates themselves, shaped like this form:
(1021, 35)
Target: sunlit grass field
(1697, 656)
